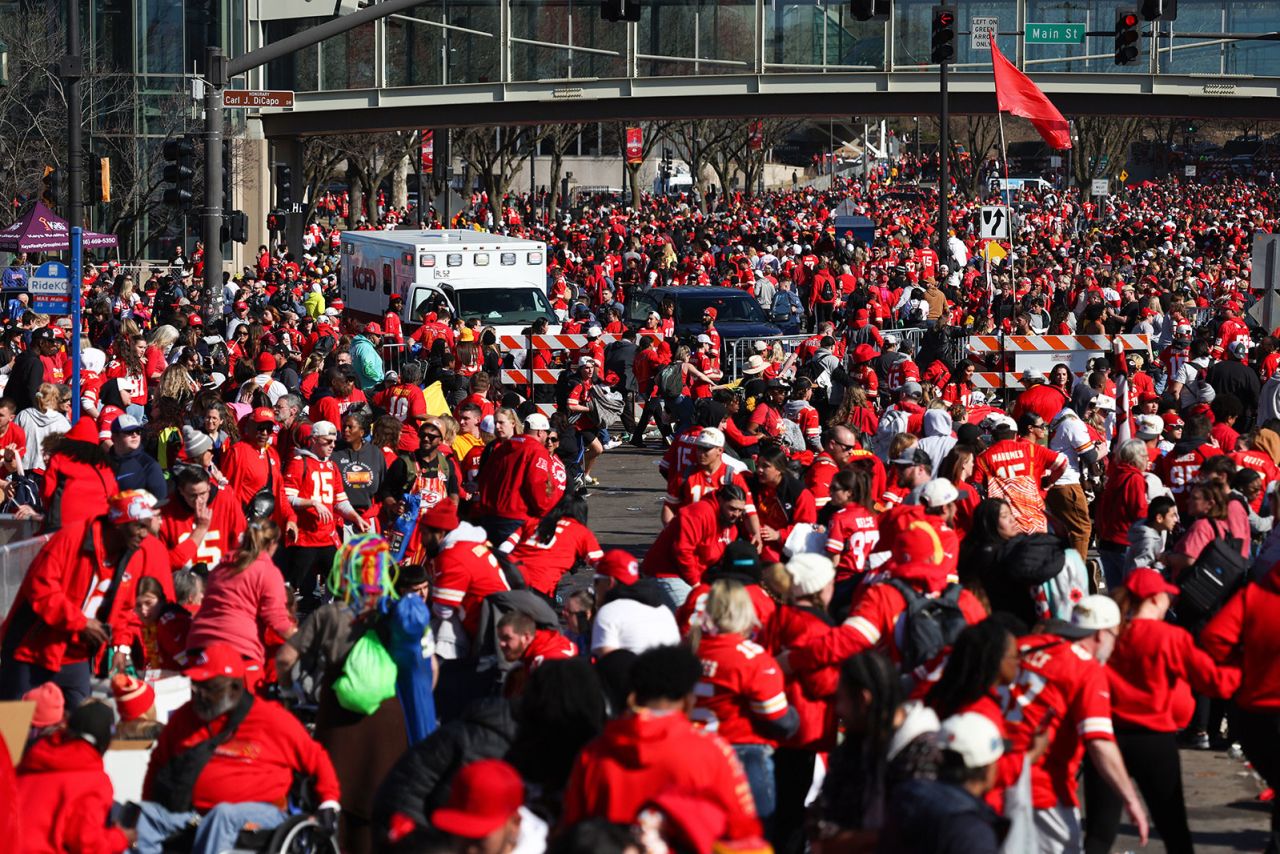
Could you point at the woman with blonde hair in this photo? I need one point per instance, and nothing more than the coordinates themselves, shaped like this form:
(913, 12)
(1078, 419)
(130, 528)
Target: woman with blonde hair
(506, 423)
(41, 420)
(244, 592)
(742, 696)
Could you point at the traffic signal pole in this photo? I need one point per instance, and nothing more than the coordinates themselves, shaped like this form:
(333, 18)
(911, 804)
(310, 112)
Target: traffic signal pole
(944, 169)
(72, 71)
(219, 71)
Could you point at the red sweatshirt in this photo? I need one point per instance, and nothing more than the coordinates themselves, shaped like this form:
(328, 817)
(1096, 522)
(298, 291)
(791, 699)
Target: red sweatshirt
(255, 764)
(519, 480)
(642, 755)
(693, 541)
(1152, 672)
(237, 603)
(812, 694)
(64, 798)
(1243, 633)
(85, 491)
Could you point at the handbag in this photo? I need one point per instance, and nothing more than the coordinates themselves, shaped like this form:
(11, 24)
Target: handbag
(174, 782)
(1217, 573)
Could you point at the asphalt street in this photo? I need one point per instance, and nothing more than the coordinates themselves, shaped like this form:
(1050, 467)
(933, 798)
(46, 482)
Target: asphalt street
(1220, 792)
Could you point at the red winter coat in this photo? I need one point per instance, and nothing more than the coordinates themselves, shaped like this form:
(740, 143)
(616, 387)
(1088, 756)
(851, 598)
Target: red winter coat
(1152, 672)
(58, 592)
(85, 490)
(1243, 633)
(519, 480)
(64, 798)
(811, 694)
(642, 755)
(692, 542)
(1123, 502)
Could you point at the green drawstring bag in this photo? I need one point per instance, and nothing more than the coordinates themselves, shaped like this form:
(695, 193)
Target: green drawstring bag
(368, 676)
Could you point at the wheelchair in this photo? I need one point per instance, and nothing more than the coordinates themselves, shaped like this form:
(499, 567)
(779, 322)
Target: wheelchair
(301, 833)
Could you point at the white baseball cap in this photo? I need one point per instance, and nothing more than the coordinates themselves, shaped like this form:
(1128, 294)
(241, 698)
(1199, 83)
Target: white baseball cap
(1091, 614)
(710, 437)
(322, 429)
(536, 421)
(938, 493)
(1033, 375)
(973, 737)
(1149, 426)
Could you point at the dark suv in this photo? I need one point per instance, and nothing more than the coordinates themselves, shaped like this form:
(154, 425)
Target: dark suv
(738, 315)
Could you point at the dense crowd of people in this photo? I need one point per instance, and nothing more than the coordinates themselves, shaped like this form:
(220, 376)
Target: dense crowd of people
(887, 607)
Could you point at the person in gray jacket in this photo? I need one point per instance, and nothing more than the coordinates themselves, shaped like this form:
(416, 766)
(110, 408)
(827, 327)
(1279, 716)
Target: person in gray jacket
(1148, 537)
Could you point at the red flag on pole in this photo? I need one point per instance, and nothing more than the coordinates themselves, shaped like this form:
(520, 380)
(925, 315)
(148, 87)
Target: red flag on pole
(1016, 94)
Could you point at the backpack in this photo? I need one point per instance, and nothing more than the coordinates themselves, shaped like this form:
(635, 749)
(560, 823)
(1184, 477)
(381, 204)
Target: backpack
(325, 345)
(827, 293)
(791, 435)
(930, 625)
(368, 675)
(1216, 575)
(670, 381)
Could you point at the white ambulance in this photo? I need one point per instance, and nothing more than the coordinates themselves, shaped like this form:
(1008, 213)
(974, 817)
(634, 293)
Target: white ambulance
(501, 280)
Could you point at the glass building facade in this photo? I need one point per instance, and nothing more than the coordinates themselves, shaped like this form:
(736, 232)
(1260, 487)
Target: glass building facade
(456, 42)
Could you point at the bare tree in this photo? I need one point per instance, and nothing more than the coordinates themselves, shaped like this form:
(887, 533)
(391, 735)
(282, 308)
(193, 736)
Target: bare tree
(494, 154)
(558, 139)
(33, 129)
(698, 142)
(1102, 146)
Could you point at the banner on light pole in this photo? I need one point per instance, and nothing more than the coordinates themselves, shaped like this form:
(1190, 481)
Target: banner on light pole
(635, 145)
(428, 150)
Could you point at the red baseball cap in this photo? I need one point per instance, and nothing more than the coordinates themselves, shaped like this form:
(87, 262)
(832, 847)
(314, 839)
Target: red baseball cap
(195, 320)
(1172, 419)
(265, 362)
(710, 312)
(373, 328)
(619, 565)
(484, 796)
(338, 304)
(263, 415)
(216, 659)
(1144, 582)
(241, 304)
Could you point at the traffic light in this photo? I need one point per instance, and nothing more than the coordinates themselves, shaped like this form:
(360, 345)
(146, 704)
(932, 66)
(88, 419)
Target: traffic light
(180, 172)
(228, 203)
(277, 221)
(235, 227)
(1127, 36)
(284, 185)
(52, 181)
(620, 10)
(865, 10)
(99, 179)
(1165, 10)
(944, 35)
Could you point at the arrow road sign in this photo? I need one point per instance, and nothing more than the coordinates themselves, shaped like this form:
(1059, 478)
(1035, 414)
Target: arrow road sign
(994, 224)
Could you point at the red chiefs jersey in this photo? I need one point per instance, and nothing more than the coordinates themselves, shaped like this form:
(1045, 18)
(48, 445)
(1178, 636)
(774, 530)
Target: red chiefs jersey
(741, 683)
(1259, 461)
(465, 573)
(695, 605)
(818, 477)
(543, 564)
(901, 372)
(807, 417)
(1017, 470)
(408, 405)
(332, 408)
(547, 645)
(852, 536)
(811, 694)
(1062, 690)
(680, 456)
(1173, 358)
(135, 385)
(697, 483)
(177, 521)
(1178, 471)
(309, 478)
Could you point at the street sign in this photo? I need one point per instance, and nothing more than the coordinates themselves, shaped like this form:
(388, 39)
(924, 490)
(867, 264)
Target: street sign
(1266, 263)
(981, 31)
(1191, 170)
(994, 223)
(1055, 34)
(50, 289)
(256, 98)
(1100, 187)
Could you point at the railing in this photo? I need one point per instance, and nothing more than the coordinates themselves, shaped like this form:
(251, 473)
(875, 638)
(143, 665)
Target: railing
(15, 558)
(739, 350)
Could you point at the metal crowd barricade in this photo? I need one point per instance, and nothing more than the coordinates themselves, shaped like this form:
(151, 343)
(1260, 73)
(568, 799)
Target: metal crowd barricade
(15, 558)
(393, 356)
(739, 350)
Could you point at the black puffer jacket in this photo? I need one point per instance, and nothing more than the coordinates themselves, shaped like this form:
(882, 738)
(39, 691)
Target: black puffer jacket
(420, 781)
